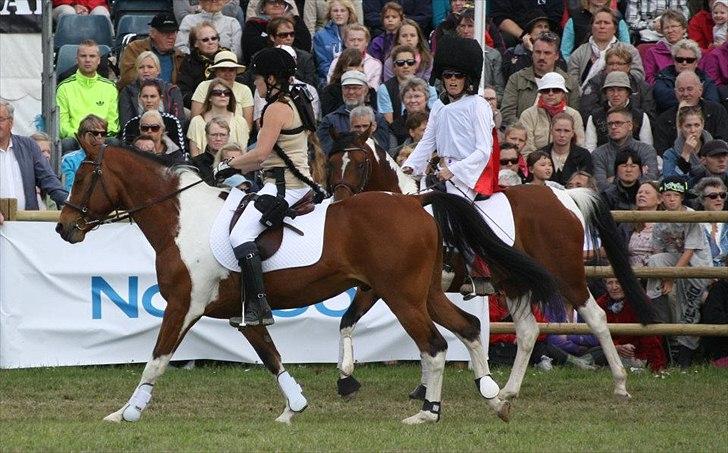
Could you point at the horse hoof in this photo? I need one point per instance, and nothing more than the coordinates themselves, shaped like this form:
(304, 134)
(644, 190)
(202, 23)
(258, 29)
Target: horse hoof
(288, 414)
(116, 417)
(623, 397)
(421, 417)
(504, 413)
(347, 387)
(418, 393)
(349, 396)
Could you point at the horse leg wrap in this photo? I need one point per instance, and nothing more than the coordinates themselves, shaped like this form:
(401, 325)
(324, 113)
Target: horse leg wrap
(292, 391)
(432, 406)
(347, 386)
(418, 393)
(487, 387)
(137, 403)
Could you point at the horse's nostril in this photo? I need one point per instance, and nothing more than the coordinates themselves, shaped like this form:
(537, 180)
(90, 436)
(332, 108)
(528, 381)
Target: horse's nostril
(59, 228)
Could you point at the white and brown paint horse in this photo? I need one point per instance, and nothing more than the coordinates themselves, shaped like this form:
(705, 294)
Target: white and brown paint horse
(545, 229)
(356, 251)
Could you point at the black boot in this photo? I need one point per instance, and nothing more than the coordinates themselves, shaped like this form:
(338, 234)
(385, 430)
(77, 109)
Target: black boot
(255, 305)
(684, 357)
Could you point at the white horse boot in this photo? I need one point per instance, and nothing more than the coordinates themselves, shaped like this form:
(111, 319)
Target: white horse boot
(255, 308)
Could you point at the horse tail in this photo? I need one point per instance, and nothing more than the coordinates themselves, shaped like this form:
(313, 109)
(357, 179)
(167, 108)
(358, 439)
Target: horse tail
(600, 224)
(463, 227)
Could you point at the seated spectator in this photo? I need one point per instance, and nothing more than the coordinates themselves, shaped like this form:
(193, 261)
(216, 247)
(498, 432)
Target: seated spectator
(162, 35)
(566, 156)
(354, 90)
(217, 131)
(700, 26)
(639, 235)
(673, 25)
(204, 44)
(711, 193)
(416, 124)
(620, 123)
(255, 34)
(618, 58)
(226, 67)
(228, 29)
(713, 162)
(621, 194)
(689, 91)
(510, 159)
(716, 69)
(415, 97)
(490, 95)
(419, 11)
(679, 245)
(237, 181)
(578, 27)
(445, 19)
(328, 42)
(715, 311)
(686, 56)
(582, 179)
(617, 90)
(281, 33)
(520, 56)
(409, 34)
(388, 93)
(80, 7)
(357, 37)
(683, 158)
(184, 8)
(93, 129)
(151, 124)
(316, 12)
(86, 92)
(508, 178)
(392, 17)
(521, 89)
(44, 143)
(517, 135)
(540, 168)
(511, 18)
(350, 60)
(635, 351)
(134, 99)
(219, 102)
(551, 100)
(589, 59)
(577, 346)
(150, 98)
(720, 19)
(23, 167)
(144, 143)
(645, 19)
(45, 202)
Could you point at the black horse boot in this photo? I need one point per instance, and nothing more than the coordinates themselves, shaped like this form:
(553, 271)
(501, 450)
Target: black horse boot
(256, 310)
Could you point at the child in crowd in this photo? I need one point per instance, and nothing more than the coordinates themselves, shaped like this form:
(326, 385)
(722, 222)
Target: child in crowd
(540, 167)
(357, 37)
(720, 19)
(416, 124)
(392, 17)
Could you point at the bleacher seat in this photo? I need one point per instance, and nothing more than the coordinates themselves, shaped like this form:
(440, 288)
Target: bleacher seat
(72, 29)
(131, 24)
(123, 8)
(66, 59)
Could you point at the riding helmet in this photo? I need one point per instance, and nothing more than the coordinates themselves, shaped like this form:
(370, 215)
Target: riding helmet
(274, 61)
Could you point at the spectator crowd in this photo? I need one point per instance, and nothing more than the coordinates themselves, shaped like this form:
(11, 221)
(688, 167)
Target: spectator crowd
(626, 97)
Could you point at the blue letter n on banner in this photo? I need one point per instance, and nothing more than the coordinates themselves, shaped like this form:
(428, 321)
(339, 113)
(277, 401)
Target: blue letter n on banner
(99, 285)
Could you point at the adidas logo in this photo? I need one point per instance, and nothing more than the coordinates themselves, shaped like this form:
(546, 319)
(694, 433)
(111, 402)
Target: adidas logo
(99, 103)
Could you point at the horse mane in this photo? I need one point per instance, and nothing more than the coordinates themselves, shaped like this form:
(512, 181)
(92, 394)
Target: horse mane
(175, 168)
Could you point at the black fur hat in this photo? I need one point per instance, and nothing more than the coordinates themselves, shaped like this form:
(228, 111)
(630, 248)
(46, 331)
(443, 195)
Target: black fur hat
(459, 54)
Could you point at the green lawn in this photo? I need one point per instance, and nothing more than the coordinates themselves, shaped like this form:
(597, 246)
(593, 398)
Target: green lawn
(233, 408)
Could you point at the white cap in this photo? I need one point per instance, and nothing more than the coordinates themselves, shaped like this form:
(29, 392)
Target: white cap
(291, 51)
(722, 2)
(353, 78)
(552, 80)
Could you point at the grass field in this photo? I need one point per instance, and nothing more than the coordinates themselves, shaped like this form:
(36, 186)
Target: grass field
(232, 408)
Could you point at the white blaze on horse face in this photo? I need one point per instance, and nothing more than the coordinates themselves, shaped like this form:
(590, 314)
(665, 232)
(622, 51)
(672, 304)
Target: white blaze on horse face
(344, 163)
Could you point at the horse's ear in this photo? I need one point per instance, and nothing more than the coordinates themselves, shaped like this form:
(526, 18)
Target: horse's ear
(333, 133)
(364, 136)
(91, 149)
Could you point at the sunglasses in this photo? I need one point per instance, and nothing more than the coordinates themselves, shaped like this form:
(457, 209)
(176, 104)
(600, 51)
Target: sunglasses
(453, 75)
(149, 127)
(509, 161)
(221, 93)
(97, 133)
(683, 60)
(210, 38)
(715, 195)
(551, 90)
(401, 63)
(286, 34)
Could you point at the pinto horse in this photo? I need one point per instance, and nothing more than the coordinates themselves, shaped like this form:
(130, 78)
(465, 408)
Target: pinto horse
(549, 227)
(175, 213)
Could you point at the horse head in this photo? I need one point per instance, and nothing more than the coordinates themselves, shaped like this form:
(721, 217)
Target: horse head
(350, 164)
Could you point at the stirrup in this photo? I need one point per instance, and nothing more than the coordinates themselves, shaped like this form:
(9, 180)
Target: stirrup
(477, 286)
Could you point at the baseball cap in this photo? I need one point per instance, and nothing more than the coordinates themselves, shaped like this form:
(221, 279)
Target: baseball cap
(353, 78)
(164, 22)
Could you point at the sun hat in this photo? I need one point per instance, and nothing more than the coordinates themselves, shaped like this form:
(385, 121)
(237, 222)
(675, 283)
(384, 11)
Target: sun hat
(552, 80)
(225, 59)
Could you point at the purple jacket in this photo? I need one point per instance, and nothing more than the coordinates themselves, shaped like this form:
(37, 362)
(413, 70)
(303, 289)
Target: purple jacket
(380, 46)
(655, 60)
(715, 65)
(571, 344)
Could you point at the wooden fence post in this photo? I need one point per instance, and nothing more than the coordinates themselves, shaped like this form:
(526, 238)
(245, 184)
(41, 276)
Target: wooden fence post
(9, 208)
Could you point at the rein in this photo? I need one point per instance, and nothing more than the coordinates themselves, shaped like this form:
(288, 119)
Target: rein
(85, 221)
(364, 179)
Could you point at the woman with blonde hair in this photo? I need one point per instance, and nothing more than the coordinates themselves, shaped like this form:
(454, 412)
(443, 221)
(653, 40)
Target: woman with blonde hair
(220, 101)
(328, 42)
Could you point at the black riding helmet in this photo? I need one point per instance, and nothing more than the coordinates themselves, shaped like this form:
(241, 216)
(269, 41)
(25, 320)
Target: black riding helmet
(276, 62)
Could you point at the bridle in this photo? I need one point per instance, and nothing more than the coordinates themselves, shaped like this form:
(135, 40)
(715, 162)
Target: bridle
(364, 174)
(87, 222)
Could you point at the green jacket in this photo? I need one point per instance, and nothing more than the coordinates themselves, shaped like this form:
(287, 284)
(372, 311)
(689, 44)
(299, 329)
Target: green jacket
(79, 96)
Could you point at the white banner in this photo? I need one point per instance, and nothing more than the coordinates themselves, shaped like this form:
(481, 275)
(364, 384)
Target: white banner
(98, 302)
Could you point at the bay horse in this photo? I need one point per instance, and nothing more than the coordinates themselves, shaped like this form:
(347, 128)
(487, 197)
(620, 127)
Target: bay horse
(176, 213)
(549, 227)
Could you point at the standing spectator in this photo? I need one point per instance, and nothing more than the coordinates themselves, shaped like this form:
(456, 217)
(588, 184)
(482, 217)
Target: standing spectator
(151, 97)
(417, 10)
(151, 124)
(621, 194)
(589, 59)
(392, 17)
(316, 12)
(23, 167)
(93, 129)
(673, 25)
(520, 56)
(700, 26)
(410, 34)
(620, 124)
(162, 35)
(683, 158)
(509, 16)
(281, 33)
(184, 8)
(567, 157)
(645, 18)
(715, 311)
(217, 131)
(331, 99)
(679, 245)
(328, 42)
(579, 26)
(357, 37)
(255, 34)
(552, 94)
(130, 98)
(80, 7)
(618, 91)
(228, 29)
(713, 162)
(219, 101)
(86, 92)
(689, 92)
(204, 44)
(521, 89)
(686, 57)
(711, 197)
(639, 235)
(540, 168)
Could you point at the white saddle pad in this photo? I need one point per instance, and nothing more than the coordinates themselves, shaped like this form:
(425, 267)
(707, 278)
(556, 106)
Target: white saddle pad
(295, 250)
(497, 212)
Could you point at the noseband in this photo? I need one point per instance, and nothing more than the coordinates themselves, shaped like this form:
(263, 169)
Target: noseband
(364, 175)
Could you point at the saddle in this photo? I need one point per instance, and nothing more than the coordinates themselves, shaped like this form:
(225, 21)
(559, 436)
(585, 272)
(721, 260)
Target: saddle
(269, 241)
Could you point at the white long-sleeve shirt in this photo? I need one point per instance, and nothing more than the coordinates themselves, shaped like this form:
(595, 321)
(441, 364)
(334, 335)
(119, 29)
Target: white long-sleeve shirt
(461, 131)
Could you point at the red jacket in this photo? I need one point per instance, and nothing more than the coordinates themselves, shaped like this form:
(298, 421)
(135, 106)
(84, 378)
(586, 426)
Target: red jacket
(498, 311)
(90, 4)
(700, 29)
(646, 347)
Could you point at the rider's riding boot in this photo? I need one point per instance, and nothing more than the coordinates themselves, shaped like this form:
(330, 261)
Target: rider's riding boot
(256, 310)
(478, 282)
